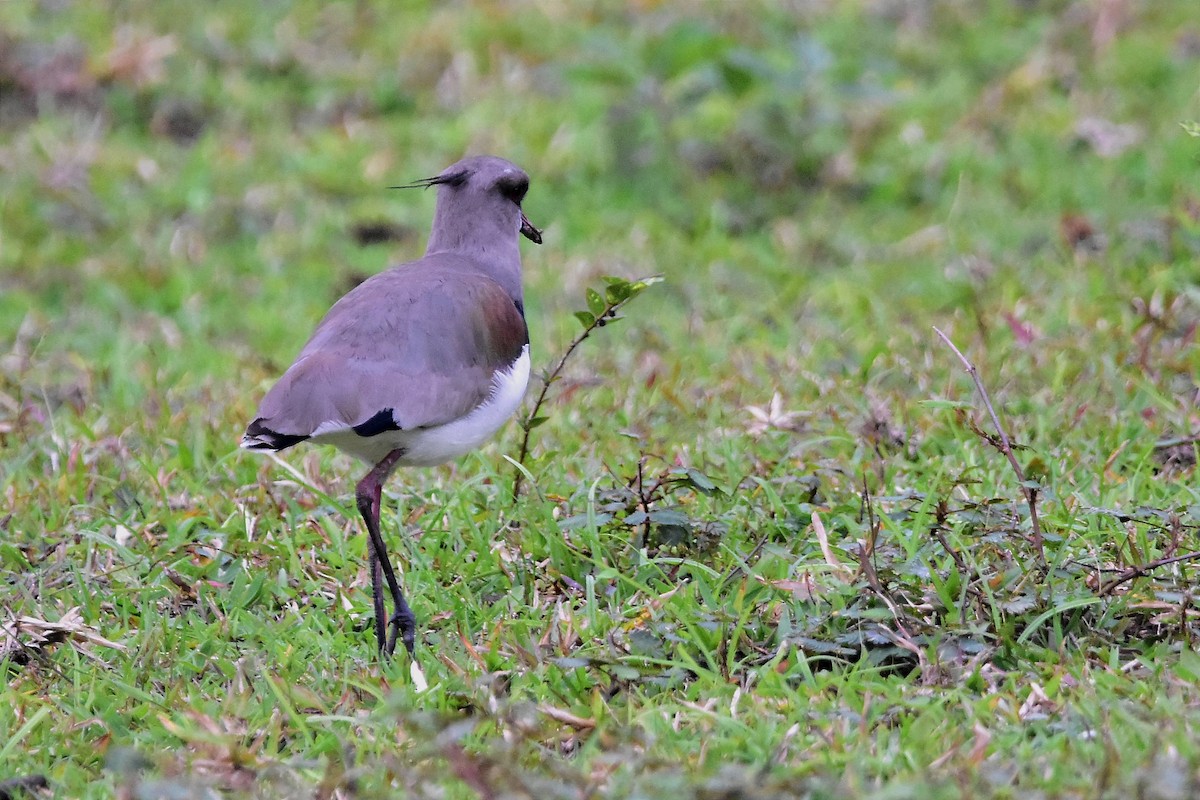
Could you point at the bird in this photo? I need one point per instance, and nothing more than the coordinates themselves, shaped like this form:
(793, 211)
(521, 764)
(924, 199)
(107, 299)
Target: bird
(418, 364)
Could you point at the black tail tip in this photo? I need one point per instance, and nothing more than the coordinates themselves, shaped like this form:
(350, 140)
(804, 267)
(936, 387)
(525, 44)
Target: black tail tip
(260, 437)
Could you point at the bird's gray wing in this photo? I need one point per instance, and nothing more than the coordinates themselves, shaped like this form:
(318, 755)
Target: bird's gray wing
(424, 347)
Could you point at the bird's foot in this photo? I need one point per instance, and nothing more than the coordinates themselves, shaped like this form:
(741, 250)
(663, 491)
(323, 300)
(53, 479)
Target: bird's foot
(403, 625)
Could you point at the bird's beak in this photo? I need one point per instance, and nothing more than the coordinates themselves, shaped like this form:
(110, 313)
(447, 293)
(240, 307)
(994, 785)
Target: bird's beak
(528, 231)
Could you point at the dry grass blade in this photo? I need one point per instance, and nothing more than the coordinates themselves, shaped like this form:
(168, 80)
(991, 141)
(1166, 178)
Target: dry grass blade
(838, 569)
(567, 718)
(26, 637)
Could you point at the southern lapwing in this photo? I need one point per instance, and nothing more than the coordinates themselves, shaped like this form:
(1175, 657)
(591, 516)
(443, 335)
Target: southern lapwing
(419, 364)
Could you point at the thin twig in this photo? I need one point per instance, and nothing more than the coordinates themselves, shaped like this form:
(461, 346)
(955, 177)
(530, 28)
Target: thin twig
(527, 424)
(1142, 569)
(645, 499)
(1004, 446)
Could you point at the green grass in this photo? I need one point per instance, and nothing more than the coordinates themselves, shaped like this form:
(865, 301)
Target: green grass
(819, 188)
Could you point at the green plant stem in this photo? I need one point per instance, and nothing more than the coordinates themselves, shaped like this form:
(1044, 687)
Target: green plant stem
(527, 424)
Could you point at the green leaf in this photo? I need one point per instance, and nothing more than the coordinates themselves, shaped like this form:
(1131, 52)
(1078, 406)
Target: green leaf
(586, 318)
(701, 482)
(596, 303)
(617, 291)
(667, 516)
(1019, 604)
(568, 662)
(535, 422)
(625, 673)
(583, 520)
(13, 557)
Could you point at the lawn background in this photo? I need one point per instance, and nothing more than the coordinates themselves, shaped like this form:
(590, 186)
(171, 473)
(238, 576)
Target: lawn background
(766, 548)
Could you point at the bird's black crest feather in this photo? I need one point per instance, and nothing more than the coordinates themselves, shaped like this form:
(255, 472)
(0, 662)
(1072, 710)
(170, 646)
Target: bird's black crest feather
(451, 179)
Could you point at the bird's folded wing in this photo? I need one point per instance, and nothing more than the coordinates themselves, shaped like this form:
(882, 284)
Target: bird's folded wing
(427, 348)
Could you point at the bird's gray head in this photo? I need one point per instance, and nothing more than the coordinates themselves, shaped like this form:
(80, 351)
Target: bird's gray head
(479, 205)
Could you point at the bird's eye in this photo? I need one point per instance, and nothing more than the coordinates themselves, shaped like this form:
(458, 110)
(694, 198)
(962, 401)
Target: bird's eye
(513, 187)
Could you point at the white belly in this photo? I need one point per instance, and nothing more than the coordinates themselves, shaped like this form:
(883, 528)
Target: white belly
(426, 447)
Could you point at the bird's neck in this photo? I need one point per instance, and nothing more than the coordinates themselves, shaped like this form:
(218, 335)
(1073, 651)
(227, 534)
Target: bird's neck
(483, 242)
